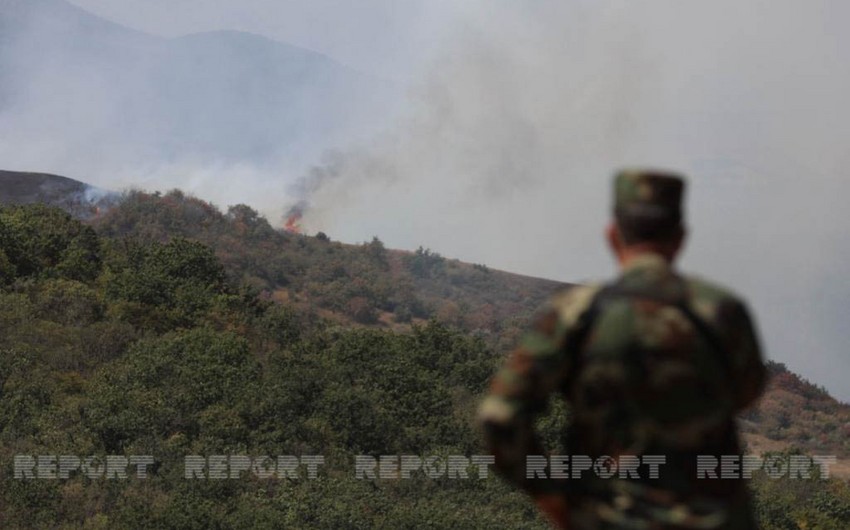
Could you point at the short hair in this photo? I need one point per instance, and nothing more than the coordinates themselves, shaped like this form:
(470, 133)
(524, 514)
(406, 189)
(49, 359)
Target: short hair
(648, 230)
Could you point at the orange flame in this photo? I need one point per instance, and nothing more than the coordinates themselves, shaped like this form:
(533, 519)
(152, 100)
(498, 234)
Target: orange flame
(292, 224)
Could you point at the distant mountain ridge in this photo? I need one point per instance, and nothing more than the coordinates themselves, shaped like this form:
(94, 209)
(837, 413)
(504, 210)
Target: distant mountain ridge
(17, 15)
(79, 87)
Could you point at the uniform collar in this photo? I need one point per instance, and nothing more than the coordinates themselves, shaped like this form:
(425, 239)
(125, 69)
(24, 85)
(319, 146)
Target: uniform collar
(646, 261)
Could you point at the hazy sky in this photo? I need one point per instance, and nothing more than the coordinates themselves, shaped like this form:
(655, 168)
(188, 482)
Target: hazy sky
(388, 38)
(520, 111)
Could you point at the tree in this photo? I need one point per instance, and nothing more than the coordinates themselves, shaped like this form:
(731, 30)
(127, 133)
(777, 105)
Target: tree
(377, 252)
(165, 285)
(424, 263)
(163, 386)
(41, 241)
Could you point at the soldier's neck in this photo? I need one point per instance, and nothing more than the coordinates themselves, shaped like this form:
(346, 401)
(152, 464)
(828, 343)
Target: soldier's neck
(628, 255)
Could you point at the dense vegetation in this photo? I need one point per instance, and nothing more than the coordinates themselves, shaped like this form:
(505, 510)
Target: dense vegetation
(168, 328)
(365, 284)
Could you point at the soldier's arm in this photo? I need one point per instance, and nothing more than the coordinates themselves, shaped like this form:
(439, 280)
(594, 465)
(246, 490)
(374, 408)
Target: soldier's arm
(746, 356)
(519, 392)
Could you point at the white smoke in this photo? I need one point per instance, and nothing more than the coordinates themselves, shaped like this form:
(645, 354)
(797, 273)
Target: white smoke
(83, 97)
(507, 153)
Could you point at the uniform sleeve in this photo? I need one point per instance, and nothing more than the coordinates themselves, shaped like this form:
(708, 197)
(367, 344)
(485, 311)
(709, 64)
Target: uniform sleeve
(747, 361)
(519, 392)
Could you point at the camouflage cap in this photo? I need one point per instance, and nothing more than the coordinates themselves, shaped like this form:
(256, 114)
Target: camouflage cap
(648, 194)
(648, 201)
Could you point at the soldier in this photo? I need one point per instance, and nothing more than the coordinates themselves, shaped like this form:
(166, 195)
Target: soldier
(652, 364)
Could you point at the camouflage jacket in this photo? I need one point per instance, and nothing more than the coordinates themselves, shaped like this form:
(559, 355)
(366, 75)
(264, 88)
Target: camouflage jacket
(652, 364)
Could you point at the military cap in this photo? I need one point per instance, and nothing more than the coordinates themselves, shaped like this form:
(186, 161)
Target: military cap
(648, 199)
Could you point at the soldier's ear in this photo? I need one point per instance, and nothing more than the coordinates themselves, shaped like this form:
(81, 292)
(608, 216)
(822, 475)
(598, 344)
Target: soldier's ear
(614, 238)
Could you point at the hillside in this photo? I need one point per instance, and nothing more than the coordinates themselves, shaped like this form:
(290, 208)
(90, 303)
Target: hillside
(77, 198)
(796, 415)
(370, 285)
(166, 327)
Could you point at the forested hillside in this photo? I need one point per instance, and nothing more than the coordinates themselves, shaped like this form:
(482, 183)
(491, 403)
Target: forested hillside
(166, 327)
(365, 284)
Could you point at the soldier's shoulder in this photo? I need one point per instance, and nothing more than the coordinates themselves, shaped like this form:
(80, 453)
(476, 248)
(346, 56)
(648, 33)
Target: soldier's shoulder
(703, 288)
(570, 302)
(710, 298)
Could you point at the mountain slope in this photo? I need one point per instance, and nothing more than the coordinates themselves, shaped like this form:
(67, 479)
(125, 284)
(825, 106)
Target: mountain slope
(78, 198)
(368, 285)
(137, 339)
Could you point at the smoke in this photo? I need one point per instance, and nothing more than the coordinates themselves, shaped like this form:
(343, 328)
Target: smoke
(525, 109)
(233, 117)
(506, 152)
(94, 195)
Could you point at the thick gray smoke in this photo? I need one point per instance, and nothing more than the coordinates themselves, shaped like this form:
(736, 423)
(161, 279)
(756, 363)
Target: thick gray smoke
(506, 154)
(231, 116)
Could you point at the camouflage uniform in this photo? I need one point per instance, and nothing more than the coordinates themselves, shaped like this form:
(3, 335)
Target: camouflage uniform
(654, 363)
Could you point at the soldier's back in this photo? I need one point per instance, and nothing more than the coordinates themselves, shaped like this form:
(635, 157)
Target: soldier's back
(655, 366)
(665, 363)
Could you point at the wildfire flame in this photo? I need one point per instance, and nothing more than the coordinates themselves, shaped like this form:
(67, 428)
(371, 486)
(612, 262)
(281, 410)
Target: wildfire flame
(292, 224)
(293, 218)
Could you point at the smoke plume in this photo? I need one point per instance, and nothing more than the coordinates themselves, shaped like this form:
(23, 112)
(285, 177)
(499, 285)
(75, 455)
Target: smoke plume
(506, 153)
